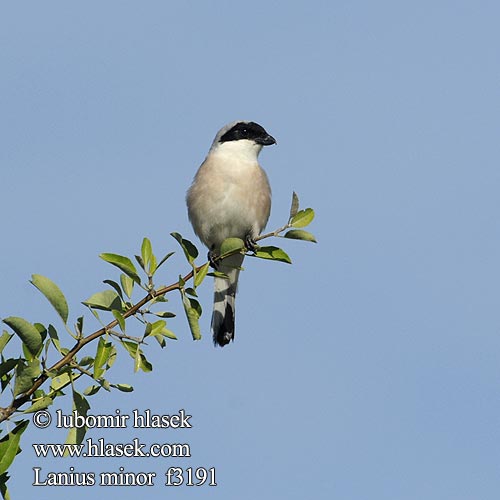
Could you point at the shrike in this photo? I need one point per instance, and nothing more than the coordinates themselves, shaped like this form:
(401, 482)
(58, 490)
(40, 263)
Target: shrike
(230, 198)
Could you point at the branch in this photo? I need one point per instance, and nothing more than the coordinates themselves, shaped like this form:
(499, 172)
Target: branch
(275, 233)
(68, 359)
(147, 260)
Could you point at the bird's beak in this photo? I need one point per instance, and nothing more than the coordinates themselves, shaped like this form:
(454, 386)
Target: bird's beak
(267, 140)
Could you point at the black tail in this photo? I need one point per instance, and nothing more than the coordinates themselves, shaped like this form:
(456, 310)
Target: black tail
(224, 300)
(223, 325)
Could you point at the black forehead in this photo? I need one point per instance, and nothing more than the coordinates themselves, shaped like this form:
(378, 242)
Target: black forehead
(244, 130)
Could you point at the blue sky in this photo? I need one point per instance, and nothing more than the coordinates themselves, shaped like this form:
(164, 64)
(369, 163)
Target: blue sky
(369, 368)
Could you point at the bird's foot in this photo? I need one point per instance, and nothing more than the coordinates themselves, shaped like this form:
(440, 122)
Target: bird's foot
(212, 257)
(250, 244)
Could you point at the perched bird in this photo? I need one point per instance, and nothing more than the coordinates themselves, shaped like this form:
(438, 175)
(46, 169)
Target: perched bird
(230, 197)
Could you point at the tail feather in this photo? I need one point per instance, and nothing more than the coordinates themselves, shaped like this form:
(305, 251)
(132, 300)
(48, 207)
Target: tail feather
(224, 300)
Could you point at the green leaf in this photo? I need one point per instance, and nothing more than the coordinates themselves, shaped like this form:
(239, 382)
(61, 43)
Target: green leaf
(63, 380)
(127, 285)
(4, 339)
(96, 314)
(200, 274)
(123, 387)
(142, 364)
(9, 445)
(5, 380)
(53, 294)
(102, 355)
(91, 390)
(40, 404)
(86, 360)
(295, 206)
(41, 330)
(159, 298)
(26, 332)
(3, 486)
(131, 347)
(160, 340)
(25, 374)
(54, 338)
(112, 357)
(218, 274)
(79, 325)
(164, 314)
(115, 286)
(119, 317)
(303, 218)
(169, 334)
(300, 234)
(139, 260)
(164, 259)
(81, 405)
(137, 360)
(153, 266)
(157, 327)
(190, 251)
(146, 251)
(60, 382)
(123, 263)
(192, 308)
(272, 253)
(231, 246)
(106, 301)
(7, 366)
(140, 361)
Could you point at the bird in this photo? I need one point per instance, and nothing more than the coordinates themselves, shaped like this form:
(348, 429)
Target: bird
(230, 197)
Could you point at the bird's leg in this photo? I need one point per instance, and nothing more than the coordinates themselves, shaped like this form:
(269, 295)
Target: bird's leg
(212, 257)
(250, 244)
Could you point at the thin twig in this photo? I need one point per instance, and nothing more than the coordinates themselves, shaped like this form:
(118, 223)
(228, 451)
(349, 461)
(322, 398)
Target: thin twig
(273, 233)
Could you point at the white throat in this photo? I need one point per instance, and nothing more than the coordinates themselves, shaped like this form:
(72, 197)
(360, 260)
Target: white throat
(243, 150)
